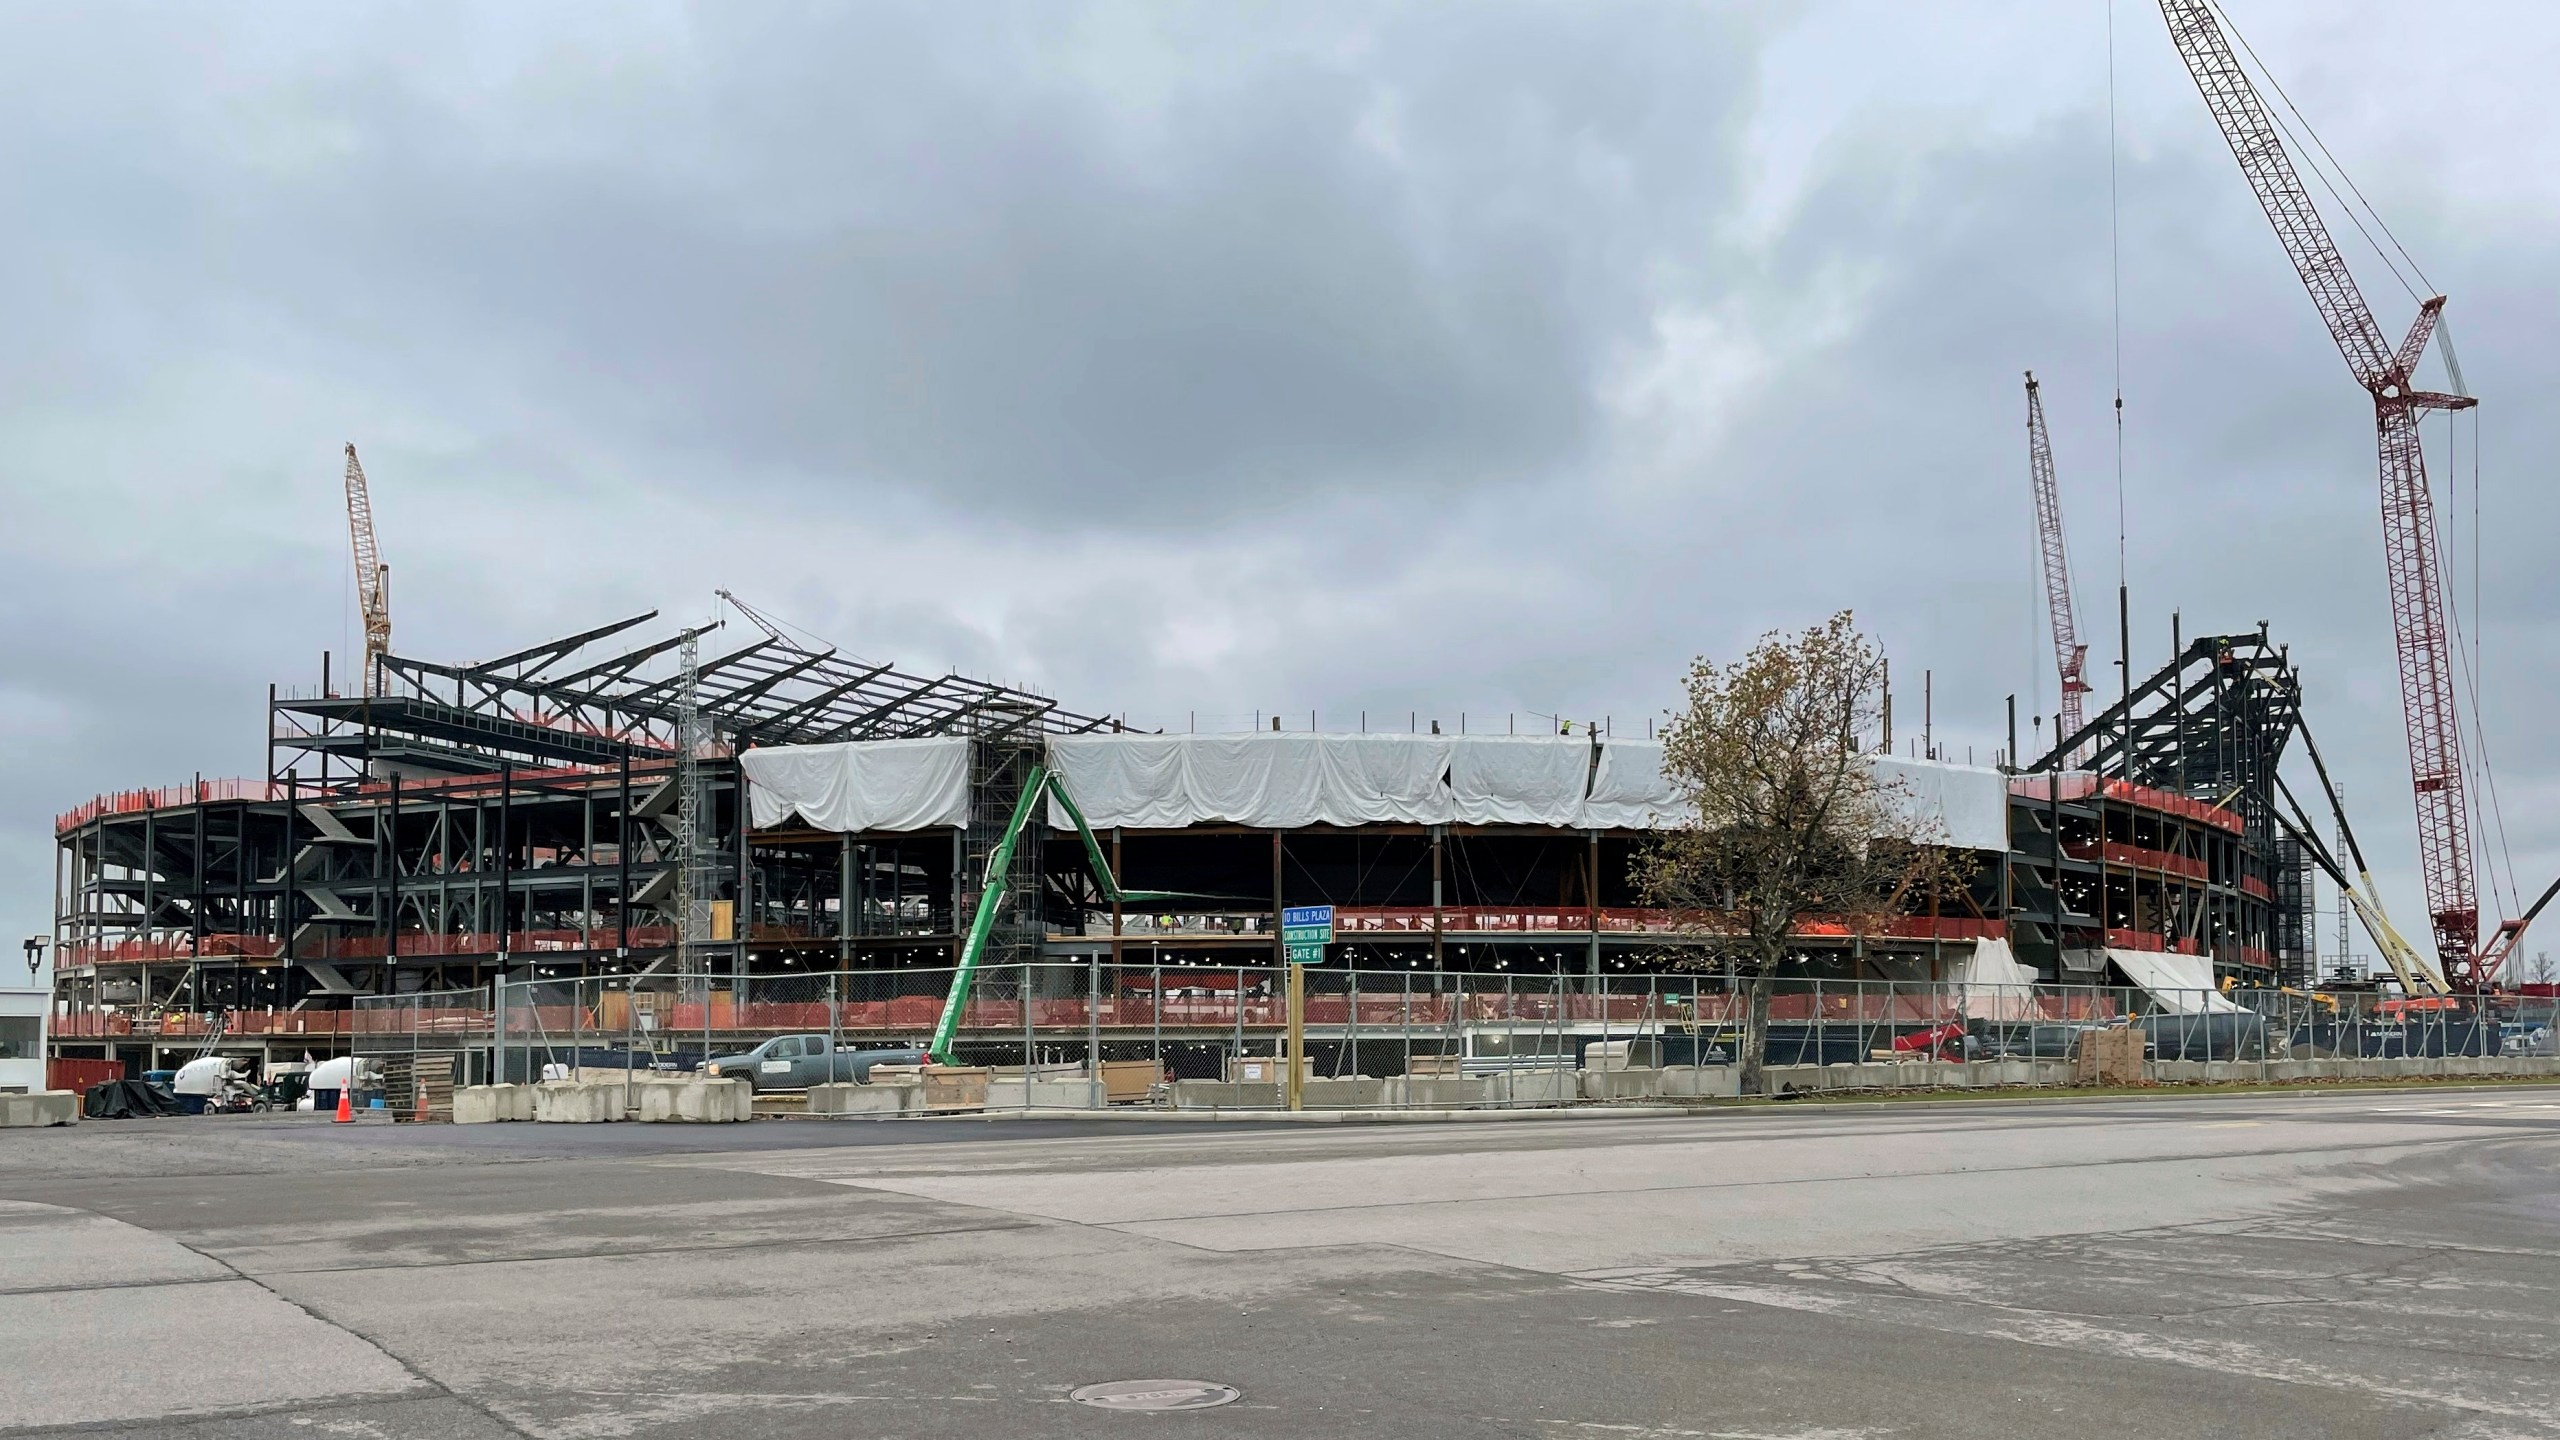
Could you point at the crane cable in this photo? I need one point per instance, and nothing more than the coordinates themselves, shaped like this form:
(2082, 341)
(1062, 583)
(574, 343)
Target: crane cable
(2115, 298)
(2476, 764)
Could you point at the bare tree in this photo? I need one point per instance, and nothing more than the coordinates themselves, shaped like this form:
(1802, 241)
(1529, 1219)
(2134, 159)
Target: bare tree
(1787, 818)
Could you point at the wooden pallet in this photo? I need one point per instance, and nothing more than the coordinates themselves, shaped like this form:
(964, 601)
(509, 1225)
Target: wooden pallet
(419, 1086)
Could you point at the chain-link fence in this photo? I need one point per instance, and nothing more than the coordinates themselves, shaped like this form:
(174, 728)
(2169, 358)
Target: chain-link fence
(1208, 1022)
(414, 1049)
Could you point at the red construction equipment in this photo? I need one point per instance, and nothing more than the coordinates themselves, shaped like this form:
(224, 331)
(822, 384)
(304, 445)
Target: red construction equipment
(2427, 694)
(2069, 655)
(1938, 1042)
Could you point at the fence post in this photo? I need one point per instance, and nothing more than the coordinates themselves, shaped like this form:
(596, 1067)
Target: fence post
(1156, 1011)
(1028, 980)
(577, 1028)
(1820, 1029)
(1600, 994)
(1235, 1063)
(835, 1020)
(1890, 1017)
(1652, 1019)
(1510, 1034)
(1404, 1021)
(1092, 1026)
(1350, 1027)
(1557, 1067)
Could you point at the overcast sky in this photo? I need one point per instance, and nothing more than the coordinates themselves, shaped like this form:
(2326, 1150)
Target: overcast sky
(1205, 361)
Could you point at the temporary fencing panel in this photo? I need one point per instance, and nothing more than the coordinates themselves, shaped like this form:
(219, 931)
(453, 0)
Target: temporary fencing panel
(1196, 1021)
(422, 1045)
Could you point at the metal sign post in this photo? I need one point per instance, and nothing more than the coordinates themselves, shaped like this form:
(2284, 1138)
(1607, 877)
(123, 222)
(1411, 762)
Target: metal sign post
(1304, 932)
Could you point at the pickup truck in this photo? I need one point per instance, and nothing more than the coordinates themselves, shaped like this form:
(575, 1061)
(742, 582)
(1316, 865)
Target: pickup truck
(796, 1062)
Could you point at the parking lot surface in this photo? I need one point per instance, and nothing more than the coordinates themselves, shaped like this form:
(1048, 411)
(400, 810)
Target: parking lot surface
(2317, 1265)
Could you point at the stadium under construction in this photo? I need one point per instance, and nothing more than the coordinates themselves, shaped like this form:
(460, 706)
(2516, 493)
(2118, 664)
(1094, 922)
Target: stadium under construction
(639, 801)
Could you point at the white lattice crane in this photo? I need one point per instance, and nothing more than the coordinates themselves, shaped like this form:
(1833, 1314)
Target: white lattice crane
(373, 578)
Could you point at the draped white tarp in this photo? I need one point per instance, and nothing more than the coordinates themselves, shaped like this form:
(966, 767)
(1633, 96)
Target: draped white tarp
(1279, 781)
(2183, 984)
(1519, 780)
(1966, 805)
(1629, 791)
(1996, 985)
(861, 784)
(1165, 782)
(1286, 780)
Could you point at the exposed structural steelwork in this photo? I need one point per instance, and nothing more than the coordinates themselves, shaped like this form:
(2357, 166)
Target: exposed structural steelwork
(2070, 656)
(527, 810)
(562, 703)
(541, 817)
(2155, 826)
(2211, 725)
(696, 879)
(2418, 609)
(525, 818)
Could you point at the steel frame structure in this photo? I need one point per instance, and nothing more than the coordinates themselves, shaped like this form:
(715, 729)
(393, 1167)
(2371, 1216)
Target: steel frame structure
(2210, 728)
(568, 702)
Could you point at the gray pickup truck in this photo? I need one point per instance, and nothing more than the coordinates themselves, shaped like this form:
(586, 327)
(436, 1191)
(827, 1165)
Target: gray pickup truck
(796, 1062)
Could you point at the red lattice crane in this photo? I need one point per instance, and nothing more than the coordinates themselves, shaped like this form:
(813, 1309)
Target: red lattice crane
(2070, 657)
(2427, 695)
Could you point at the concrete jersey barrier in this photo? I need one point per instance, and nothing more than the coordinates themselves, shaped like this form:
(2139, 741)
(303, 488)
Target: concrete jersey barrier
(39, 1108)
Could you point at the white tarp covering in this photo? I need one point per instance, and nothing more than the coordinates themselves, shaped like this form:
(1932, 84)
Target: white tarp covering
(1164, 782)
(2183, 984)
(1996, 985)
(1519, 780)
(1628, 790)
(861, 784)
(1284, 780)
(1967, 804)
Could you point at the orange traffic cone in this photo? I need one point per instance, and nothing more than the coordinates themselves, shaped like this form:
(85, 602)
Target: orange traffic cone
(346, 1106)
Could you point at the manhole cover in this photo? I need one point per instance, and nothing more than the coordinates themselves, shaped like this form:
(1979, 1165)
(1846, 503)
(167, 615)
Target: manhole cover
(1155, 1395)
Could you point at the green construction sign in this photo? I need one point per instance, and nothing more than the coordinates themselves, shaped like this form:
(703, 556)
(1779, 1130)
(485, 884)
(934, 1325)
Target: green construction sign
(1304, 932)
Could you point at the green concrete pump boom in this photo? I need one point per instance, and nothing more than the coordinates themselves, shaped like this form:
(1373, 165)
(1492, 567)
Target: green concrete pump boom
(992, 891)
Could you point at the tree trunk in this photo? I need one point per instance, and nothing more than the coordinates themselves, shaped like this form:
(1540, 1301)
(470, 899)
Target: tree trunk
(1755, 1026)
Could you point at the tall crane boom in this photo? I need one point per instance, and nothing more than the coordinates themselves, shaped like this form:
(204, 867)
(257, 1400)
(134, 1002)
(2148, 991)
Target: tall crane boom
(2427, 695)
(373, 578)
(2070, 657)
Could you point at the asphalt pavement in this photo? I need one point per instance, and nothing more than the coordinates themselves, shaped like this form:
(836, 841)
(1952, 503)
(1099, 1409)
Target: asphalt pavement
(2346, 1265)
